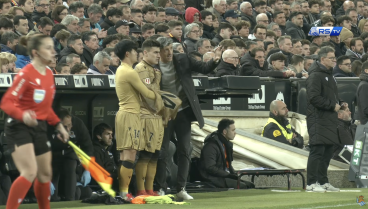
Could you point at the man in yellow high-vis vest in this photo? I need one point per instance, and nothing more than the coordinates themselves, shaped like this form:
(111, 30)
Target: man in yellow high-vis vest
(279, 128)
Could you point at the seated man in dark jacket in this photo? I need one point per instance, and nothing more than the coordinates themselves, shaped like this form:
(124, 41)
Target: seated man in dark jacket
(102, 143)
(64, 159)
(345, 131)
(217, 156)
(253, 64)
(278, 127)
(343, 67)
(228, 64)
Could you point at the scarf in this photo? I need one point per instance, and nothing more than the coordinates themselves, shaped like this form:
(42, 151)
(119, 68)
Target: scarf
(228, 148)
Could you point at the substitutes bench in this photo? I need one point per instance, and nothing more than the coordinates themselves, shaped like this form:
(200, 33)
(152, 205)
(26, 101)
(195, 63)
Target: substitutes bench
(271, 172)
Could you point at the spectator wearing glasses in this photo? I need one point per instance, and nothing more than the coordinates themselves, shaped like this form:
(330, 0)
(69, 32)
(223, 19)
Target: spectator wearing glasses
(59, 13)
(203, 46)
(322, 99)
(276, 28)
(179, 5)
(192, 14)
(228, 64)
(262, 19)
(191, 34)
(343, 67)
(42, 9)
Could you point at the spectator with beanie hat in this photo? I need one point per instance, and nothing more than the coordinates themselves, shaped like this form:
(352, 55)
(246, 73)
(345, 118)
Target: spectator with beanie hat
(345, 37)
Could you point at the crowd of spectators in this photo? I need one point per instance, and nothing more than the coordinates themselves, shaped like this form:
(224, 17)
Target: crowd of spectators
(255, 38)
(263, 38)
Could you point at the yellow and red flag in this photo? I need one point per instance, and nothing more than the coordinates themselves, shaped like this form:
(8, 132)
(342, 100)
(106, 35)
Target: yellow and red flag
(99, 174)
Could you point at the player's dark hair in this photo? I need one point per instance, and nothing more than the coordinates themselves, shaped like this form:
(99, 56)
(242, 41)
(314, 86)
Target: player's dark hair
(224, 124)
(123, 47)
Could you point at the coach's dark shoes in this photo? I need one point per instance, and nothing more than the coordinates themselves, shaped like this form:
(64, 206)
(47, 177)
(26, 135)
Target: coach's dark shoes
(329, 188)
(315, 188)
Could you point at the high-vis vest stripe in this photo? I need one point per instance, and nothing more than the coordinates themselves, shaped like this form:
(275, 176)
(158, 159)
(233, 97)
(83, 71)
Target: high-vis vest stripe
(288, 136)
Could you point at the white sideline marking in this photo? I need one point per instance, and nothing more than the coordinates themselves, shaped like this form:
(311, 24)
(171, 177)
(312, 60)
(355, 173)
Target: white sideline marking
(350, 191)
(285, 190)
(330, 206)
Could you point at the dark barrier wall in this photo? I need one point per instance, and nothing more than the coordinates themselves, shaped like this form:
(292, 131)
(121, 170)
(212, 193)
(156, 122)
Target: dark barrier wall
(93, 99)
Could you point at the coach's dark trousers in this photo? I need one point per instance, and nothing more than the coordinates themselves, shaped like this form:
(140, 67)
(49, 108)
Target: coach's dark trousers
(64, 176)
(318, 162)
(181, 125)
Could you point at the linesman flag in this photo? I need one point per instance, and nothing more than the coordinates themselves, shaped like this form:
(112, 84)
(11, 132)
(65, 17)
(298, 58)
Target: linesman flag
(99, 174)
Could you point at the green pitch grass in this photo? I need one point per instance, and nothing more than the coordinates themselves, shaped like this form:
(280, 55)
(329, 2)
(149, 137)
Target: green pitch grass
(255, 198)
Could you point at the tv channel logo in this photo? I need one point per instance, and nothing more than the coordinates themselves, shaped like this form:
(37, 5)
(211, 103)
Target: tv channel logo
(325, 31)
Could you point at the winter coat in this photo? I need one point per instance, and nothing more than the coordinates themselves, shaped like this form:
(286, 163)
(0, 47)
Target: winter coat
(251, 67)
(352, 55)
(362, 101)
(322, 96)
(31, 24)
(340, 48)
(79, 135)
(225, 68)
(104, 157)
(208, 32)
(250, 19)
(23, 58)
(184, 65)
(337, 72)
(272, 128)
(36, 16)
(213, 166)
(106, 24)
(65, 52)
(5, 48)
(346, 133)
(217, 39)
(88, 55)
(190, 45)
(294, 31)
(340, 12)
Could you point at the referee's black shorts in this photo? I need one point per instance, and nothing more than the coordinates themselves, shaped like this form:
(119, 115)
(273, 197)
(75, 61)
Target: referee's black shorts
(17, 134)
